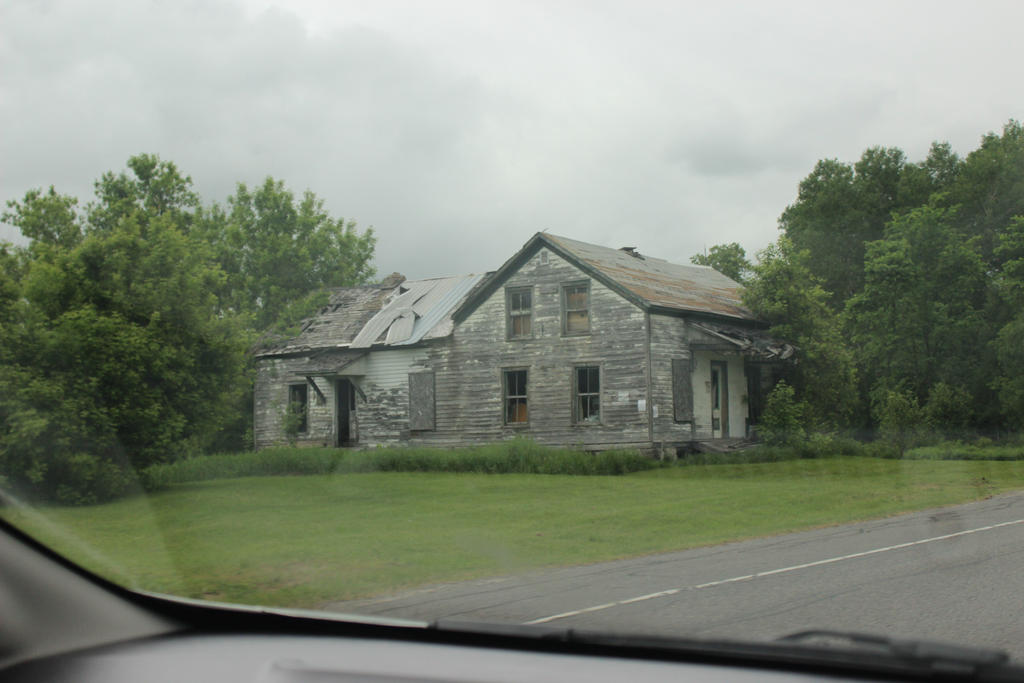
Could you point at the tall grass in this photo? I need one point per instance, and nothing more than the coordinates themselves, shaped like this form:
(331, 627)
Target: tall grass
(828, 445)
(305, 541)
(961, 451)
(513, 457)
(816, 445)
(526, 457)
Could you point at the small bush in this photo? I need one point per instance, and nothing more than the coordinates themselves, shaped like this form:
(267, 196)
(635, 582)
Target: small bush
(782, 422)
(900, 419)
(948, 410)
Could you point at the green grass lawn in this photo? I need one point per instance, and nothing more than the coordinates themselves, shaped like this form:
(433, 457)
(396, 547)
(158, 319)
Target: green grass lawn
(304, 541)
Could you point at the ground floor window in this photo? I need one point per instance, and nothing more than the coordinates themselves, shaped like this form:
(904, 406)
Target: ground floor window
(587, 391)
(298, 398)
(516, 411)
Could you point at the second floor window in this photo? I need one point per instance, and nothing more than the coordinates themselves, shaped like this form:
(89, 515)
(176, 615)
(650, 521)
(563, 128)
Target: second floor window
(516, 411)
(576, 309)
(519, 303)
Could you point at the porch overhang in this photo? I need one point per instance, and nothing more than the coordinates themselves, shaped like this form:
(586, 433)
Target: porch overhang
(751, 343)
(333, 365)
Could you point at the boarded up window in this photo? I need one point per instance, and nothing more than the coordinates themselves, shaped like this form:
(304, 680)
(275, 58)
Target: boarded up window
(682, 390)
(421, 401)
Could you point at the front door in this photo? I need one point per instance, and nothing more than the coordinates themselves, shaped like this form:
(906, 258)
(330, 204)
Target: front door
(719, 399)
(345, 400)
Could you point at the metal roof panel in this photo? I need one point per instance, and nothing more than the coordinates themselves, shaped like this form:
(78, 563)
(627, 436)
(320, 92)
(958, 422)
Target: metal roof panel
(659, 282)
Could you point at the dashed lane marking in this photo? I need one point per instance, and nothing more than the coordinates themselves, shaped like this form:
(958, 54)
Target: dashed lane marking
(770, 572)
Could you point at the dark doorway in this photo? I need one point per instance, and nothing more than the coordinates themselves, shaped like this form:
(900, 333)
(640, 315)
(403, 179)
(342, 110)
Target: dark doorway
(345, 400)
(719, 400)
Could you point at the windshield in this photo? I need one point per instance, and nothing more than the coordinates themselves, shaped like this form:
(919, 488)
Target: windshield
(648, 318)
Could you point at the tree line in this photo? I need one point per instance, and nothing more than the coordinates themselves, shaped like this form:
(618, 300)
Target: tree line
(902, 283)
(126, 325)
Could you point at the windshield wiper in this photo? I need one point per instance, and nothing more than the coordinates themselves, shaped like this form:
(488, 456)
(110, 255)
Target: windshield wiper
(816, 650)
(942, 658)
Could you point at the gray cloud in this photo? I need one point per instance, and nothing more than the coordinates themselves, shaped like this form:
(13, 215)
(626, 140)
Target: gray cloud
(459, 130)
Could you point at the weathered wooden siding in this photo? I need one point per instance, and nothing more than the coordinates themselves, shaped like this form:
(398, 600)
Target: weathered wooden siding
(383, 418)
(638, 401)
(469, 394)
(270, 400)
(669, 340)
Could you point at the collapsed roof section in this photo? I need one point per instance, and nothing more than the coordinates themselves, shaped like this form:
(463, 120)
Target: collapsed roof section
(396, 312)
(753, 343)
(416, 310)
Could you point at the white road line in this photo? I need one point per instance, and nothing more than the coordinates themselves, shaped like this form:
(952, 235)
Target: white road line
(771, 572)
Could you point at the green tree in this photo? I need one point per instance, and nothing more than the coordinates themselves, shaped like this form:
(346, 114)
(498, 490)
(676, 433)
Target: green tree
(9, 288)
(117, 355)
(124, 327)
(899, 417)
(280, 253)
(728, 259)
(948, 411)
(923, 262)
(785, 292)
(151, 188)
(921, 313)
(839, 208)
(989, 189)
(49, 218)
(784, 417)
(937, 173)
(1008, 344)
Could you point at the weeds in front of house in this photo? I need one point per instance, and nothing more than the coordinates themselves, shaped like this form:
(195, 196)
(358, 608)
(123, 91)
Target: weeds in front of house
(823, 445)
(526, 457)
(983, 449)
(512, 457)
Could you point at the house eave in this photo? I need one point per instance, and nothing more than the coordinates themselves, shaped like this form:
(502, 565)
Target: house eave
(705, 315)
(379, 346)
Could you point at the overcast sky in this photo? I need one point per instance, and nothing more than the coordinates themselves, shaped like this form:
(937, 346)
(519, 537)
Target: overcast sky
(458, 129)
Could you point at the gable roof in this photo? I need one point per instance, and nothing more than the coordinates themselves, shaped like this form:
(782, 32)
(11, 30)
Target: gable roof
(396, 312)
(650, 283)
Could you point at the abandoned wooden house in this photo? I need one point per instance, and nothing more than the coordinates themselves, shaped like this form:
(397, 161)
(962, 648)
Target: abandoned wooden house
(567, 343)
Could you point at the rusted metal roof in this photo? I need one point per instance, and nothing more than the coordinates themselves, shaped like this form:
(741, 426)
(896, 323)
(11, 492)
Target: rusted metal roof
(396, 312)
(649, 282)
(400, 312)
(658, 282)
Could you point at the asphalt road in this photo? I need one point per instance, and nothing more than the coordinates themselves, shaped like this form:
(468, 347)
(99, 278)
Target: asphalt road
(954, 574)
